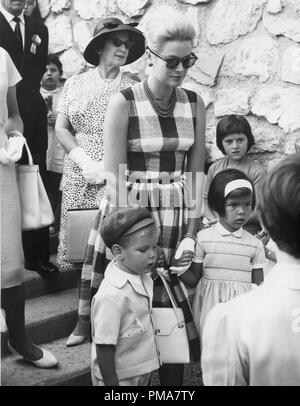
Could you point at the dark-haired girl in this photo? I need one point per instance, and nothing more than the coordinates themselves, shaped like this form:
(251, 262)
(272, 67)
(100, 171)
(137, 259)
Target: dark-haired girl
(228, 259)
(234, 139)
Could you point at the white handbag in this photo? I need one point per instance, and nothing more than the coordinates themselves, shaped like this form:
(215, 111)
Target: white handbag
(170, 330)
(36, 211)
(79, 222)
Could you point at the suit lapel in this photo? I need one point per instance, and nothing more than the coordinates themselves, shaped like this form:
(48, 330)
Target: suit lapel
(8, 38)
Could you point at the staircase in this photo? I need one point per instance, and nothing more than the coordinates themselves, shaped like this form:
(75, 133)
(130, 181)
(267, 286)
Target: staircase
(51, 314)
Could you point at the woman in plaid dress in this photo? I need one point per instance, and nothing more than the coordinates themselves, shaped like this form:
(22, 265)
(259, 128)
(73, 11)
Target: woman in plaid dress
(160, 142)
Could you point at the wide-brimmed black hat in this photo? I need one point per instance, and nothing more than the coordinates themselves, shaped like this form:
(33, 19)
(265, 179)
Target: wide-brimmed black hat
(108, 25)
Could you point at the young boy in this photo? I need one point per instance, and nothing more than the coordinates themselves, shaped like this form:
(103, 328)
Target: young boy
(124, 349)
(51, 92)
(254, 339)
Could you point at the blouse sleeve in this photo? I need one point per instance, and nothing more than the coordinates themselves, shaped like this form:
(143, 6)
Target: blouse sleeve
(12, 72)
(223, 361)
(64, 100)
(259, 259)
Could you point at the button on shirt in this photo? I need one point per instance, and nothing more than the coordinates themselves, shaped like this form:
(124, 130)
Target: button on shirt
(254, 339)
(10, 19)
(121, 316)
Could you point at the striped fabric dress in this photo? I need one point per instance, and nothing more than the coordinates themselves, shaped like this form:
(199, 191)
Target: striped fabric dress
(228, 260)
(154, 178)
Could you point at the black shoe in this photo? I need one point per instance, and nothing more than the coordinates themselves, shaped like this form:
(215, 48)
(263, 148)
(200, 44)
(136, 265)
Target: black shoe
(41, 267)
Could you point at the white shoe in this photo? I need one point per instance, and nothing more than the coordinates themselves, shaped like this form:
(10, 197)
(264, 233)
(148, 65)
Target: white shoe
(48, 360)
(75, 340)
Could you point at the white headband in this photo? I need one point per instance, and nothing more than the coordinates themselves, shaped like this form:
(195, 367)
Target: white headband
(236, 184)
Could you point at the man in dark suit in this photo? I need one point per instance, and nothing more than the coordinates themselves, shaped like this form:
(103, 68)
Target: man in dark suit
(26, 41)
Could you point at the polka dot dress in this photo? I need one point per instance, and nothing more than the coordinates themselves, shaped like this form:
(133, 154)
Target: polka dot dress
(84, 101)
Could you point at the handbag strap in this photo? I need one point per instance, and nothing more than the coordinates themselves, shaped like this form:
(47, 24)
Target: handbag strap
(30, 160)
(170, 294)
(83, 193)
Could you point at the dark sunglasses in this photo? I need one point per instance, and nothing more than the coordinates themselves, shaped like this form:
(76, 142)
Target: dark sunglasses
(172, 63)
(118, 42)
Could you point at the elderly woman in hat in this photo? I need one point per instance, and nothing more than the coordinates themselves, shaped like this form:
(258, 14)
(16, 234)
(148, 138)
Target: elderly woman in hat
(81, 113)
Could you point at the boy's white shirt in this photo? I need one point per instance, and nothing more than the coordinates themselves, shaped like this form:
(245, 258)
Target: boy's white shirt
(254, 339)
(114, 293)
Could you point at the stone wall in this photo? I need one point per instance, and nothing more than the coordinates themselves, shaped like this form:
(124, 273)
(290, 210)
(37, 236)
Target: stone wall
(249, 59)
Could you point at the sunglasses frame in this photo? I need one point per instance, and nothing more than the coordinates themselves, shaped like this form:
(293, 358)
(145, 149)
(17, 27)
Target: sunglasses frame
(167, 60)
(116, 41)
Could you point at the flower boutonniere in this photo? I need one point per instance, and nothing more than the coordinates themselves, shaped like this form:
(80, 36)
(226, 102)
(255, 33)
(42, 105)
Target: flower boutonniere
(36, 41)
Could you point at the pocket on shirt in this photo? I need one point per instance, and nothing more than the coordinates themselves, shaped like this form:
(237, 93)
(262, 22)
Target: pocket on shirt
(136, 328)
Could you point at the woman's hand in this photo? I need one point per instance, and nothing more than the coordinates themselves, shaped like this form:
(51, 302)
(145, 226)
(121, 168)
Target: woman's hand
(15, 148)
(93, 172)
(51, 119)
(187, 244)
(4, 157)
(183, 257)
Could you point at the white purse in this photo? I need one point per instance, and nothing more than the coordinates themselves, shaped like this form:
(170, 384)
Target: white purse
(79, 222)
(170, 330)
(36, 211)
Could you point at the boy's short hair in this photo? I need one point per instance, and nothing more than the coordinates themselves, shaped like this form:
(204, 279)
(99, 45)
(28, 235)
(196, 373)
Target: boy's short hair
(216, 194)
(124, 222)
(54, 59)
(233, 124)
(279, 204)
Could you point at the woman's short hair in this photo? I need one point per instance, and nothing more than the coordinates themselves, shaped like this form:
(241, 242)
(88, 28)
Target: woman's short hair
(216, 199)
(52, 58)
(166, 24)
(279, 204)
(233, 124)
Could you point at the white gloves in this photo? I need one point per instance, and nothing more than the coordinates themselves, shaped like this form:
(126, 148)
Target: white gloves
(92, 171)
(15, 148)
(13, 152)
(187, 244)
(4, 157)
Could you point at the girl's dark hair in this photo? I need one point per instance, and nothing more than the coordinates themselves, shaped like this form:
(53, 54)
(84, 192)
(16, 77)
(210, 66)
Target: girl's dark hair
(216, 199)
(233, 124)
(279, 204)
(52, 58)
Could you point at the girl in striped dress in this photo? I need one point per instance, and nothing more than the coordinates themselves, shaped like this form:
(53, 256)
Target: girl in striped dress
(154, 153)
(228, 258)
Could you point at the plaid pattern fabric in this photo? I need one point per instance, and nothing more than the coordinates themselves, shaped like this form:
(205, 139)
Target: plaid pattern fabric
(155, 179)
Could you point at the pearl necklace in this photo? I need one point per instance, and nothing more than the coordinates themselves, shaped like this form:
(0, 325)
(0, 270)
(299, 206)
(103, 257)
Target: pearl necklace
(160, 111)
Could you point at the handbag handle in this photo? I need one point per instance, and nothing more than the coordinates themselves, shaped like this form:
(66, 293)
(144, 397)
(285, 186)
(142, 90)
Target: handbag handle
(30, 160)
(175, 308)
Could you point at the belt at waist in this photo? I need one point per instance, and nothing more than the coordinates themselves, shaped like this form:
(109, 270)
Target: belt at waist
(160, 179)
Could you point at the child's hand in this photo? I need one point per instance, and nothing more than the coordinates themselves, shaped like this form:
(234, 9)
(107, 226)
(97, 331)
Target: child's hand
(263, 236)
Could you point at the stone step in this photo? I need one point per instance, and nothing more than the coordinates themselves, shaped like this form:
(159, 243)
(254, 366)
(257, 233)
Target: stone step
(48, 317)
(73, 369)
(36, 285)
